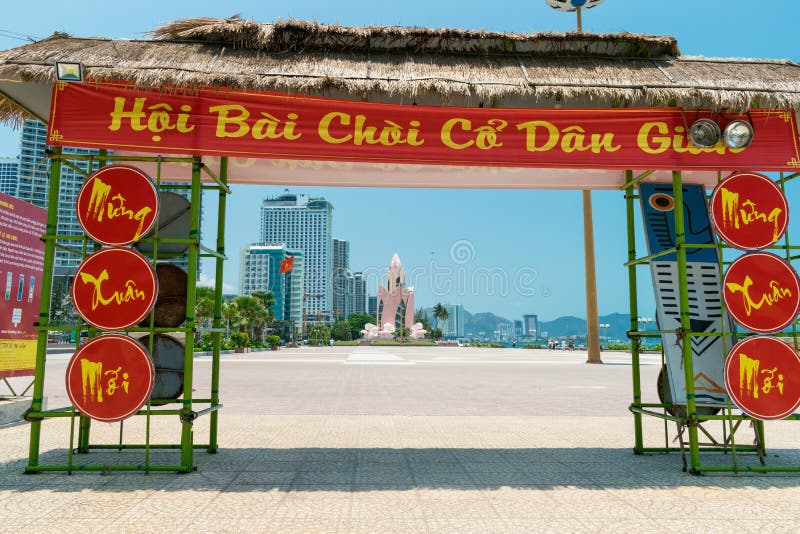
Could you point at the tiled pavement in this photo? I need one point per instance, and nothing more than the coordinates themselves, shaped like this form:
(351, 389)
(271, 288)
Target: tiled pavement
(366, 473)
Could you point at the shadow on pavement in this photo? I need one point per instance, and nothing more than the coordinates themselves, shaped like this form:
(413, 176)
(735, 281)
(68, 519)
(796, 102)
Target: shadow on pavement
(370, 469)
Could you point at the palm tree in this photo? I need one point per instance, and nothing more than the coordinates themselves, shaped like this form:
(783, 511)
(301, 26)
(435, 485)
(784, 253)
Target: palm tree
(229, 314)
(440, 314)
(251, 315)
(204, 305)
(267, 300)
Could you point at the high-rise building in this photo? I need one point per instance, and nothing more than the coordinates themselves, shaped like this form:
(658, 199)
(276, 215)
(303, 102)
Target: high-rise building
(304, 224)
(260, 271)
(372, 305)
(530, 325)
(359, 292)
(339, 286)
(34, 179)
(453, 327)
(518, 330)
(9, 174)
(184, 191)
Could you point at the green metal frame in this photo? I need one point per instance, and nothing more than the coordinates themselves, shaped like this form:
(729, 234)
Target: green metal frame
(186, 412)
(692, 422)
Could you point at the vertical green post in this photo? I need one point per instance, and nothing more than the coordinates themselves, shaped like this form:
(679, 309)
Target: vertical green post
(634, 311)
(187, 451)
(686, 343)
(85, 423)
(44, 307)
(217, 336)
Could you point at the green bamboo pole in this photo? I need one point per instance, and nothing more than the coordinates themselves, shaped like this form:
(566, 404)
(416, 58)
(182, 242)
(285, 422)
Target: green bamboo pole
(686, 345)
(85, 423)
(634, 311)
(187, 452)
(44, 306)
(217, 336)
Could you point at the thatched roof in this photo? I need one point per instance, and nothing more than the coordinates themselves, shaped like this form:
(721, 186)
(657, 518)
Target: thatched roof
(392, 64)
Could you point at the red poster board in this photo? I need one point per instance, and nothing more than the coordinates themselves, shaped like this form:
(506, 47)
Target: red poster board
(110, 377)
(117, 205)
(21, 262)
(114, 288)
(261, 124)
(749, 211)
(762, 376)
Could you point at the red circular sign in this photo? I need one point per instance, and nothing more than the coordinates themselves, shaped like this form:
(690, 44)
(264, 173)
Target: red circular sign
(749, 211)
(114, 288)
(761, 292)
(762, 376)
(110, 377)
(117, 205)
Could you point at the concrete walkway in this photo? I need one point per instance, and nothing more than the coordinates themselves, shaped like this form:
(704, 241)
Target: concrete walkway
(397, 474)
(389, 440)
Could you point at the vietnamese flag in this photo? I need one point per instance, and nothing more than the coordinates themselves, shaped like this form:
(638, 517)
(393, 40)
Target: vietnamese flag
(287, 265)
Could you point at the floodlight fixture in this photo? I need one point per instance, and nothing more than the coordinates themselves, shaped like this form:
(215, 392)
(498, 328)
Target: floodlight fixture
(738, 134)
(69, 71)
(704, 133)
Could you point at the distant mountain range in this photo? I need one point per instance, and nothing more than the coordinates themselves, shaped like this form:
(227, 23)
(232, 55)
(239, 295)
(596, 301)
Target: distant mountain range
(487, 322)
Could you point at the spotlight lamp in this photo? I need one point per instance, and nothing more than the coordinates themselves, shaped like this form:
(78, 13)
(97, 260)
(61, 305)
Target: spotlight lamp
(738, 134)
(704, 133)
(69, 72)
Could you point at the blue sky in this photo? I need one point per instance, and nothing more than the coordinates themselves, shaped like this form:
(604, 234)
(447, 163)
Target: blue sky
(534, 237)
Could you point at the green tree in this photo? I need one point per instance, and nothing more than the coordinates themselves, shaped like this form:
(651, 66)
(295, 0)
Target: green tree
(267, 317)
(341, 331)
(251, 315)
(421, 316)
(319, 334)
(267, 300)
(440, 314)
(401, 333)
(357, 322)
(230, 314)
(434, 334)
(204, 305)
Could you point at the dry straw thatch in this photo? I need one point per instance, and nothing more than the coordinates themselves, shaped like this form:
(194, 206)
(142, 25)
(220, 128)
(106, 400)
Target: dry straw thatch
(427, 66)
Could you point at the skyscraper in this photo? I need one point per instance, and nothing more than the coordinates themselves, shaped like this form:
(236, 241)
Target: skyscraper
(260, 271)
(372, 305)
(341, 266)
(359, 304)
(530, 325)
(34, 180)
(453, 327)
(9, 174)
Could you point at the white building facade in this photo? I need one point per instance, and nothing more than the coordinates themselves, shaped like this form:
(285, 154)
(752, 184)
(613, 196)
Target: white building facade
(304, 224)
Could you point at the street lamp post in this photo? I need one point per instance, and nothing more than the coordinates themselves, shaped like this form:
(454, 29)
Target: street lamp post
(644, 321)
(604, 327)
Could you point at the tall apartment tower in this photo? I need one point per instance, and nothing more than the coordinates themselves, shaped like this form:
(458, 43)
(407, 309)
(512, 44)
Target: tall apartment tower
(530, 325)
(339, 286)
(34, 180)
(9, 174)
(453, 326)
(359, 302)
(260, 271)
(304, 224)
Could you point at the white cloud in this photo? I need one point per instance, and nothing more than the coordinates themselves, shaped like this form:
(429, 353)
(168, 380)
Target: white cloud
(206, 281)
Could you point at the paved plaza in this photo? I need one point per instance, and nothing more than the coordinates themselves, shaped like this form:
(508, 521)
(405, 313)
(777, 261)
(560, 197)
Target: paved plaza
(402, 439)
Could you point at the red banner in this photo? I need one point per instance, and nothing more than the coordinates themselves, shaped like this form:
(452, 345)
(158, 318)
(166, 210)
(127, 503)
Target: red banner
(274, 125)
(762, 376)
